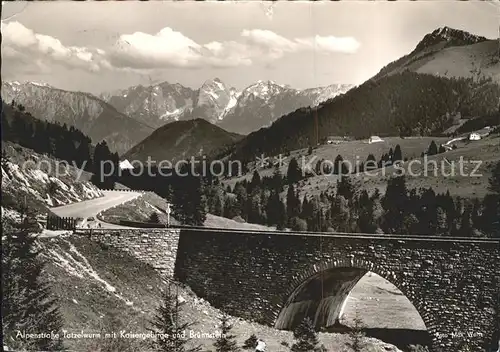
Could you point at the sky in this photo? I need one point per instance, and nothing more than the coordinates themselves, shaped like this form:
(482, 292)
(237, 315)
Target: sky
(103, 46)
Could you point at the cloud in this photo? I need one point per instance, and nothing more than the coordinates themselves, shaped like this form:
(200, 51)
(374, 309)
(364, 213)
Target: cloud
(19, 41)
(168, 48)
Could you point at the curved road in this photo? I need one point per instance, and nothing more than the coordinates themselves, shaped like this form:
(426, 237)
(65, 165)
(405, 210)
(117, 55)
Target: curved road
(90, 208)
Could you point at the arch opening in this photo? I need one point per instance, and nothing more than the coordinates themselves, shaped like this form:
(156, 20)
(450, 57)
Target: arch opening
(321, 297)
(333, 298)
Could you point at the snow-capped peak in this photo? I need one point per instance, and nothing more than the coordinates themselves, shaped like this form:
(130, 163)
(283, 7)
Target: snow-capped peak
(17, 83)
(263, 89)
(39, 84)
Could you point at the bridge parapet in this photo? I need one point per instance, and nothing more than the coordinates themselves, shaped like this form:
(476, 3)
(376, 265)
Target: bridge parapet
(156, 247)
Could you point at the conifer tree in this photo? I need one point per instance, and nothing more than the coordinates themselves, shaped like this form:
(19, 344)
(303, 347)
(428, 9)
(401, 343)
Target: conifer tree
(250, 343)
(395, 202)
(256, 181)
(154, 218)
(292, 203)
(442, 223)
(345, 188)
(227, 341)
(356, 335)
(465, 223)
(391, 155)
(371, 163)
(306, 338)
(168, 325)
(339, 167)
(27, 303)
(495, 179)
(433, 149)
(188, 200)
(365, 220)
(294, 173)
(398, 155)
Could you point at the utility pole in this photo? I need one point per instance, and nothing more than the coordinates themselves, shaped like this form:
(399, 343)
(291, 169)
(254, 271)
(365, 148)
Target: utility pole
(168, 211)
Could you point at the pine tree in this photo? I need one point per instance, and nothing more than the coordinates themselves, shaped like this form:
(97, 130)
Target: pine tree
(371, 163)
(250, 343)
(306, 338)
(466, 223)
(356, 335)
(226, 342)
(398, 154)
(275, 210)
(169, 327)
(495, 179)
(340, 214)
(433, 149)
(282, 218)
(294, 173)
(241, 200)
(395, 202)
(277, 180)
(339, 167)
(490, 217)
(442, 222)
(27, 303)
(292, 203)
(345, 188)
(218, 206)
(256, 181)
(154, 218)
(230, 210)
(188, 200)
(365, 221)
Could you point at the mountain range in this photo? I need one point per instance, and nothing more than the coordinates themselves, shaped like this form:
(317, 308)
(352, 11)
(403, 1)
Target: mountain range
(258, 105)
(91, 115)
(449, 73)
(126, 117)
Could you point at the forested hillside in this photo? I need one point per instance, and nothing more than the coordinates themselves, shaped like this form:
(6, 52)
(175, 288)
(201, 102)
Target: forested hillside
(55, 140)
(402, 104)
(182, 140)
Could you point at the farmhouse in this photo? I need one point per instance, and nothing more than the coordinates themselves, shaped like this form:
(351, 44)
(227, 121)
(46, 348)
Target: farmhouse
(374, 139)
(125, 164)
(474, 137)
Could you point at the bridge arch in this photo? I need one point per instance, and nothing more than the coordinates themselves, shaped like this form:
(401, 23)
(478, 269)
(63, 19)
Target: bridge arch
(339, 277)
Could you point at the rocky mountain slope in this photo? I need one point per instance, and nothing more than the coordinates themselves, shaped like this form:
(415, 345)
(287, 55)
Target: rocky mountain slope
(408, 97)
(40, 182)
(449, 52)
(182, 140)
(241, 112)
(94, 117)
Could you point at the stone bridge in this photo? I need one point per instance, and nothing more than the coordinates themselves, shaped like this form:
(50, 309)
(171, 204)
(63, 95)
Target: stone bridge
(278, 278)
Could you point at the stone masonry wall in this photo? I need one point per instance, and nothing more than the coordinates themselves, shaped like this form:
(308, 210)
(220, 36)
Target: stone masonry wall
(157, 247)
(452, 284)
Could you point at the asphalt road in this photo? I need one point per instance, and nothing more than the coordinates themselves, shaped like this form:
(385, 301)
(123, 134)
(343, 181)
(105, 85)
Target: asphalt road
(90, 208)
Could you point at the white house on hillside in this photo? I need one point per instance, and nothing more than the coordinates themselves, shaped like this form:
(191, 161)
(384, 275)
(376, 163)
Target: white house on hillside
(125, 164)
(474, 137)
(374, 139)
